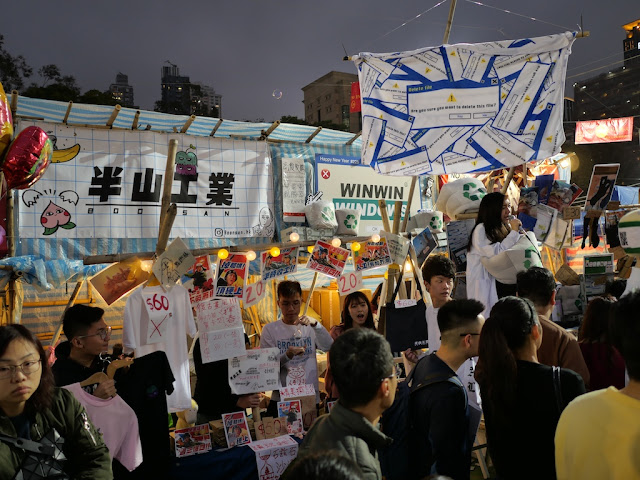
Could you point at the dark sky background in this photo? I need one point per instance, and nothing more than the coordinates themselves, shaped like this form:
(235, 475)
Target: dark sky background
(247, 49)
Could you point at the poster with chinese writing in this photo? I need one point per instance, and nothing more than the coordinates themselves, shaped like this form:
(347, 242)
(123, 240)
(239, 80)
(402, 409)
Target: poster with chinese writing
(231, 276)
(236, 429)
(218, 314)
(199, 279)
(283, 264)
(222, 344)
(116, 280)
(294, 185)
(371, 255)
(257, 371)
(274, 455)
(327, 259)
(108, 184)
(292, 411)
(192, 440)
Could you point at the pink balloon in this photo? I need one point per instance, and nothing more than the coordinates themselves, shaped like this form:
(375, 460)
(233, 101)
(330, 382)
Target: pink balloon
(28, 157)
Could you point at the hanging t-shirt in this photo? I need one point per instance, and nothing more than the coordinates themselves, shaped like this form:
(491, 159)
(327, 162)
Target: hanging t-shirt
(467, 369)
(138, 328)
(117, 423)
(301, 369)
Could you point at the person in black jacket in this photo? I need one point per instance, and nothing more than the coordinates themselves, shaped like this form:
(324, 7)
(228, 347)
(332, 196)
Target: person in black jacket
(439, 410)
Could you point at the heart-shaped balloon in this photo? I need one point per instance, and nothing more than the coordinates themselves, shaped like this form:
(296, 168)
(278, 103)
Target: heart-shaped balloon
(6, 124)
(28, 157)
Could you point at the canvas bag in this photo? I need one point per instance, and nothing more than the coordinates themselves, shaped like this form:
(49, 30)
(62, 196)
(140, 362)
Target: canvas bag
(321, 214)
(348, 221)
(505, 266)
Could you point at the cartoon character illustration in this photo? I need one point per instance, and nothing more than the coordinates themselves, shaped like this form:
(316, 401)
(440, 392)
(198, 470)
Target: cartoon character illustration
(54, 216)
(187, 162)
(63, 155)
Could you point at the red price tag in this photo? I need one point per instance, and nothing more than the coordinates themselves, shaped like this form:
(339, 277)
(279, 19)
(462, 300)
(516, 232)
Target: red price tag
(350, 282)
(158, 302)
(254, 293)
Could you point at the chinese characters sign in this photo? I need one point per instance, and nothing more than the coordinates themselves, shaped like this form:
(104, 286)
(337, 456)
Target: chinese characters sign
(110, 185)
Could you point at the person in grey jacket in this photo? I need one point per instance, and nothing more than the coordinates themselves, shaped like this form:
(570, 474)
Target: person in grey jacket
(364, 373)
(34, 414)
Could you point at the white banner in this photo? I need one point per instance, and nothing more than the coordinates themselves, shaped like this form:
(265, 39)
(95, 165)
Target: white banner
(108, 183)
(463, 108)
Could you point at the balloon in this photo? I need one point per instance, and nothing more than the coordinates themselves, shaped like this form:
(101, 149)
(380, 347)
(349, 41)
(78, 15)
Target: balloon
(6, 124)
(28, 157)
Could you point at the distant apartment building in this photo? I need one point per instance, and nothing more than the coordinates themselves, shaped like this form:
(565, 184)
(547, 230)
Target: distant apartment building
(180, 96)
(121, 91)
(209, 100)
(328, 99)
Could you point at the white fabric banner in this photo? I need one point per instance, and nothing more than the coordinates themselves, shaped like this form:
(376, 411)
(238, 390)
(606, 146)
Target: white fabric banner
(463, 108)
(108, 183)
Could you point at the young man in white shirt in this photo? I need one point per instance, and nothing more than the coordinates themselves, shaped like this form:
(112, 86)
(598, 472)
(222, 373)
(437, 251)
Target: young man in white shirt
(296, 337)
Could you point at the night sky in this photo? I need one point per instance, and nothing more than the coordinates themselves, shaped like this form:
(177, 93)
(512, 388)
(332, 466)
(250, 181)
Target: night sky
(247, 50)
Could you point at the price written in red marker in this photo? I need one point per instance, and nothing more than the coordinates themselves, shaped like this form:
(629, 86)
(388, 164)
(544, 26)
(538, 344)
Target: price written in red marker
(254, 293)
(350, 282)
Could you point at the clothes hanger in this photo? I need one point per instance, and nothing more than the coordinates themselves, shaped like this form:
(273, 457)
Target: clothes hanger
(98, 377)
(116, 364)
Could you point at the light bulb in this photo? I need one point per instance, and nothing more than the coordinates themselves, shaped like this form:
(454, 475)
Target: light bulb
(294, 237)
(336, 242)
(407, 267)
(274, 252)
(146, 265)
(310, 248)
(223, 253)
(251, 255)
(386, 275)
(375, 238)
(355, 246)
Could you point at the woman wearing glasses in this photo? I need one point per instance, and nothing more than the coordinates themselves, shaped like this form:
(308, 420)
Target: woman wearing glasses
(81, 355)
(33, 414)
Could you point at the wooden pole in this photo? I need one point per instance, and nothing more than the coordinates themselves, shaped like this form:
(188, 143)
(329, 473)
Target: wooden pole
(215, 129)
(447, 30)
(384, 214)
(507, 181)
(313, 286)
(266, 133)
(187, 124)
(136, 117)
(354, 138)
(14, 104)
(405, 220)
(168, 177)
(70, 303)
(67, 113)
(312, 136)
(397, 212)
(165, 228)
(114, 115)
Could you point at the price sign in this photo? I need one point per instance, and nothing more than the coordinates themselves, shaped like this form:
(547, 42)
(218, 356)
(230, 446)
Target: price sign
(157, 302)
(350, 282)
(159, 313)
(404, 303)
(254, 293)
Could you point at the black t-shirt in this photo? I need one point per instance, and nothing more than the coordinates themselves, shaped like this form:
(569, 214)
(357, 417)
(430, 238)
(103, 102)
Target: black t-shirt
(524, 449)
(67, 371)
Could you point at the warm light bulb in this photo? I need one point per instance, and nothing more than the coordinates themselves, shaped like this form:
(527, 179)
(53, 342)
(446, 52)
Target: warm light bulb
(336, 242)
(274, 252)
(223, 253)
(566, 163)
(310, 248)
(146, 265)
(375, 238)
(386, 275)
(355, 246)
(251, 255)
(407, 267)
(294, 237)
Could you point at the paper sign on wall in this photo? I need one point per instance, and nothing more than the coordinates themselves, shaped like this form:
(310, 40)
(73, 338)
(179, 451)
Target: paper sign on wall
(222, 344)
(274, 455)
(293, 189)
(174, 262)
(257, 371)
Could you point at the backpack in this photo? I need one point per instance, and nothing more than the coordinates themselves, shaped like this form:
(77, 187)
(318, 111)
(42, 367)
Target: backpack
(395, 461)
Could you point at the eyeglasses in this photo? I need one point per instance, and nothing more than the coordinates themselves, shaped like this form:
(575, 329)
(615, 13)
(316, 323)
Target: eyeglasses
(103, 333)
(465, 334)
(27, 368)
(393, 375)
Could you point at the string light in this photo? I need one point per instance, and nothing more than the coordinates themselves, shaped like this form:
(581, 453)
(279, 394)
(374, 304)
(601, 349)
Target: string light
(274, 252)
(294, 237)
(223, 253)
(355, 246)
(336, 242)
(375, 238)
(310, 248)
(251, 255)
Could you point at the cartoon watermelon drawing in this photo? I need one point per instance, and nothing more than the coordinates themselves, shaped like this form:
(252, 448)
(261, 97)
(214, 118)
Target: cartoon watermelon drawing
(53, 217)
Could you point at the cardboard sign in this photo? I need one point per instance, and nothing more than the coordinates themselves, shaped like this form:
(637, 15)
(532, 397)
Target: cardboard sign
(271, 428)
(254, 293)
(327, 259)
(257, 371)
(372, 255)
(281, 265)
(274, 455)
(236, 430)
(571, 213)
(117, 280)
(350, 282)
(174, 262)
(231, 275)
(424, 243)
(192, 440)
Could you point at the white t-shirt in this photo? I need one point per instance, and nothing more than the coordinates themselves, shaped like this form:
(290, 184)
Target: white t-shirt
(117, 422)
(466, 370)
(137, 328)
(301, 369)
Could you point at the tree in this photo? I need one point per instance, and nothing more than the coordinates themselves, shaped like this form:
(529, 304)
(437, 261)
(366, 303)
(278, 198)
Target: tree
(13, 70)
(49, 73)
(96, 97)
(293, 119)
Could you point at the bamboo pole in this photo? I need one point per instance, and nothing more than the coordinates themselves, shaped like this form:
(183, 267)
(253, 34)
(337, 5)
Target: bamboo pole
(507, 181)
(447, 30)
(14, 103)
(136, 117)
(168, 178)
(187, 124)
(114, 115)
(354, 138)
(71, 301)
(67, 113)
(312, 136)
(405, 220)
(384, 214)
(313, 286)
(215, 129)
(165, 229)
(266, 133)
(397, 212)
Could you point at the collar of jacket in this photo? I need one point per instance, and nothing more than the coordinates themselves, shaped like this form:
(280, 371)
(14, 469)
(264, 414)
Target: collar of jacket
(359, 426)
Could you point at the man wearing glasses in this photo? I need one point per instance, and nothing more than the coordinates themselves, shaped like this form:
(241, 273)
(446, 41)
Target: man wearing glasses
(79, 357)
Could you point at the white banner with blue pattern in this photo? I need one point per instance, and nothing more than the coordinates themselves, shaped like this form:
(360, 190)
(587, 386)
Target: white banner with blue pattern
(463, 108)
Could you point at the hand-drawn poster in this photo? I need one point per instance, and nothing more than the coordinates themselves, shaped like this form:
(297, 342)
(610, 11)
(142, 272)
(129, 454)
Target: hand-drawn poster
(116, 280)
(294, 185)
(108, 183)
(274, 455)
(174, 262)
(199, 280)
(398, 247)
(327, 259)
(218, 314)
(283, 264)
(603, 179)
(292, 411)
(236, 429)
(463, 108)
(192, 440)
(232, 272)
(257, 371)
(222, 344)
(372, 255)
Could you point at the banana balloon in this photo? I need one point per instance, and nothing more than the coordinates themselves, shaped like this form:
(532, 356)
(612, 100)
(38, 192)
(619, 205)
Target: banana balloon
(65, 154)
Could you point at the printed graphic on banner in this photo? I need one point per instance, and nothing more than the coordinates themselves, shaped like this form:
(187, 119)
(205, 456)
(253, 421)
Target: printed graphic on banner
(257, 371)
(231, 276)
(350, 184)
(199, 279)
(116, 280)
(174, 262)
(327, 259)
(604, 131)
(160, 313)
(292, 411)
(463, 108)
(603, 179)
(283, 264)
(192, 440)
(236, 429)
(371, 255)
(274, 455)
(110, 186)
(294, 185)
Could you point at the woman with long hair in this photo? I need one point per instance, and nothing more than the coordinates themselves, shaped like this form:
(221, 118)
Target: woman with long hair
(605, 364)
(493, 233)
(32, 409)
(522, 399)
(356, 313)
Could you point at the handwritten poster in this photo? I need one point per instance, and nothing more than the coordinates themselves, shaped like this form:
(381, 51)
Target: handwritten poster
(257, 371)
(297, 391)
(236, 430)
(222, 344)
(283, 264)
(231, 276)
(192, 440)
(174, 262)
(274, 455)
(199, 279)
(293, 189)
(254, 293)
(398, 247)
(371, 255)
(218, 314)
(118, 279)
(327, 259)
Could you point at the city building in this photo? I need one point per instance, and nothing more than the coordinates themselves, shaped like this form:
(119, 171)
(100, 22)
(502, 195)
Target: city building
(327, 99)
(209, 100)
(180, 96)
(121, 91)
